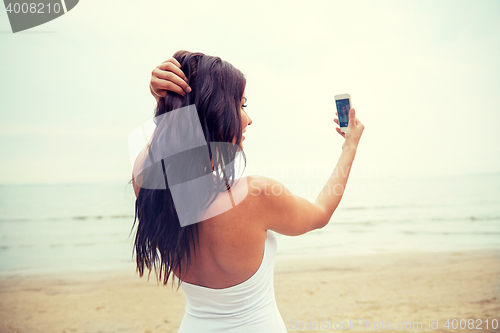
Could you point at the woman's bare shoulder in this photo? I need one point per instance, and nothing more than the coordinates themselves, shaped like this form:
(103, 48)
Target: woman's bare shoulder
(265, 194)
(258, 184)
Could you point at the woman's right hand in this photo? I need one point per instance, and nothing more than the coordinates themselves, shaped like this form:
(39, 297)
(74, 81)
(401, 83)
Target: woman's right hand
(354, 130)
(168, 76)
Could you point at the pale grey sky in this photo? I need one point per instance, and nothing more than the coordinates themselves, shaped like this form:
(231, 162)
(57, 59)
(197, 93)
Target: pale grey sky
(424, 78)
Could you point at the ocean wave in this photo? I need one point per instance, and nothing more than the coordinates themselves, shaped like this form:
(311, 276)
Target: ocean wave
(471, 218)
(396, 207)
(78, 218)
(450, 233)
(418, 219)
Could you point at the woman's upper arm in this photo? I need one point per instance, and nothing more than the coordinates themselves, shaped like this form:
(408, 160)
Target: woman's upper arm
(284, 212)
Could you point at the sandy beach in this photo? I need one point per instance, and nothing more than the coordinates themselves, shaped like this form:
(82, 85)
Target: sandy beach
(404, 288)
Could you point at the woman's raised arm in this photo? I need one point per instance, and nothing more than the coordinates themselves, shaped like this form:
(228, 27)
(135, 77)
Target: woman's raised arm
(281, 211)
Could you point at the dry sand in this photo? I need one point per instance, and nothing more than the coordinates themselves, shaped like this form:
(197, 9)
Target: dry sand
(403, 287)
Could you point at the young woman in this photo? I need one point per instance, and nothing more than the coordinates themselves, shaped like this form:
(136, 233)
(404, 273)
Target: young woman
(225, 263)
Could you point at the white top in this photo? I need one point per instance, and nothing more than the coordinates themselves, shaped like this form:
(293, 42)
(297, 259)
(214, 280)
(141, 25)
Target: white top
(246, 307)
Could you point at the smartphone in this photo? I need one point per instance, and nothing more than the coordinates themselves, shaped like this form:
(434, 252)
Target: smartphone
(344, 104)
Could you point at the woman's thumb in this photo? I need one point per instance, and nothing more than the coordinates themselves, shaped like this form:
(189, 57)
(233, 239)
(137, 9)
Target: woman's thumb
(352, 117)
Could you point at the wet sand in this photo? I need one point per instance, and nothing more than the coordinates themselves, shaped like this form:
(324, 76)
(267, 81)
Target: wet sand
(313, 295)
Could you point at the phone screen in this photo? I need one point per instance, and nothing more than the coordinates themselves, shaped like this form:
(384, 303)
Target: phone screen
(343, 108)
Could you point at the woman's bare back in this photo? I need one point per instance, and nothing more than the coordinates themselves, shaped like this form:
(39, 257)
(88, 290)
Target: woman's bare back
(231, 245)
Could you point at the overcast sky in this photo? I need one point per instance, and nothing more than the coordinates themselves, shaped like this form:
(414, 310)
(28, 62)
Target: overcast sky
(424, 77)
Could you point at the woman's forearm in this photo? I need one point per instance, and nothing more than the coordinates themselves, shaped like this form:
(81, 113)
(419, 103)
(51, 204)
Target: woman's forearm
(331, 194)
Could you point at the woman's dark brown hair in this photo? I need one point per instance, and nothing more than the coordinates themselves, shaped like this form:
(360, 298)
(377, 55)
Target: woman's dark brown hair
(217, 90)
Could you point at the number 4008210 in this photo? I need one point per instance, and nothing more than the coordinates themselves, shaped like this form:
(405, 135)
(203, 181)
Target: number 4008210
(33, 8)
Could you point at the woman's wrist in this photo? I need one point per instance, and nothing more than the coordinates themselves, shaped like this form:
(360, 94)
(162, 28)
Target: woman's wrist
(349, 147)
(155, 95)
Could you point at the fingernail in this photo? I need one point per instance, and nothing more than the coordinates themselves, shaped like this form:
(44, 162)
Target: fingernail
(188, 89)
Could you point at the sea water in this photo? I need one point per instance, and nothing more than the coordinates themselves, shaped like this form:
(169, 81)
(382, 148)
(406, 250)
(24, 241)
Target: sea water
(377, 215)
(88, 227)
